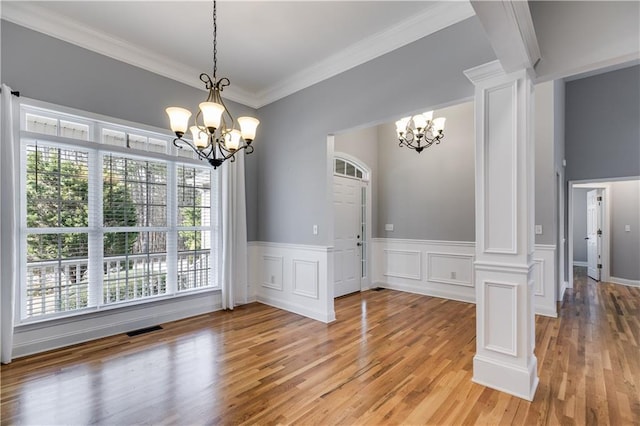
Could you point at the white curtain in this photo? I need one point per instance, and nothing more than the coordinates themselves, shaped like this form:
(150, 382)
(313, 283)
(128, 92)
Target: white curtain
(233, 258)
(8, 222)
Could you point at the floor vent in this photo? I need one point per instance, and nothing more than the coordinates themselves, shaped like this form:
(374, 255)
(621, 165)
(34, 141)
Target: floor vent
(377, 289)
(144, 330)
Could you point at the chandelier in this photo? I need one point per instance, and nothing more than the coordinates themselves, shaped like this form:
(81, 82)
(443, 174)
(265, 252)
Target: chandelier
(420, 131)
(214, 133)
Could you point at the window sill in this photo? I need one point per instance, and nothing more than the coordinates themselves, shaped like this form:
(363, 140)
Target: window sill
(96, 312)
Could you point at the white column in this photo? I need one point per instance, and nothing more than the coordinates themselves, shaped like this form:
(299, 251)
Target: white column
(505, 328)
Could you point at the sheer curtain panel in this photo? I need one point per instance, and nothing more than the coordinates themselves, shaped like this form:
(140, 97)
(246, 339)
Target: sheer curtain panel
(233, 256)
(8, 224)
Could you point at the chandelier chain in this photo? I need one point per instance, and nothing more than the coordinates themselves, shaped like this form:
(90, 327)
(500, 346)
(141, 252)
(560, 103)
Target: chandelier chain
(215, 136)
(215, 43)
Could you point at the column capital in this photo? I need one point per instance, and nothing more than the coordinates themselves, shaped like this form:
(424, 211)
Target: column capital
(485, 72)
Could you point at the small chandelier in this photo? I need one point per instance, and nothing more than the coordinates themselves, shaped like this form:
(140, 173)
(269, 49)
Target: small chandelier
(214, 133)
(420, 131)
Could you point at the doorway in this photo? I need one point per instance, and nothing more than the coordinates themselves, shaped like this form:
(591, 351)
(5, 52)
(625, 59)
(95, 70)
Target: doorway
(594, 233)
(350, 208)
(594, 240)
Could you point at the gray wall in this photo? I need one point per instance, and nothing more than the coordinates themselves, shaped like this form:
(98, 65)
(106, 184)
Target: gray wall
(625, 246)
(425, 196)
(580, 224)
(292, 183)
(545, 186)
(603, 125)
(51, 70)
(430, 195)
(602, 128)
(561, 216)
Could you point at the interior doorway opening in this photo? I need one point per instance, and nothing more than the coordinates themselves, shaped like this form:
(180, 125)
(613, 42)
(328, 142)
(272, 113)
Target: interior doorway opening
(617, 226)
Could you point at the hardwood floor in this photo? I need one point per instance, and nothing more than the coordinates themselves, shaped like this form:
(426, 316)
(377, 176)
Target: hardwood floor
(390, 358)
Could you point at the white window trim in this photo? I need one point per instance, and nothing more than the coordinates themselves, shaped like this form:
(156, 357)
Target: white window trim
(97, 150)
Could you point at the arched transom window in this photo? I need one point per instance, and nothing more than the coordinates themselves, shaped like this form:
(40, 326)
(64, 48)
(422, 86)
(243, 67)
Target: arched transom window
(344, 167)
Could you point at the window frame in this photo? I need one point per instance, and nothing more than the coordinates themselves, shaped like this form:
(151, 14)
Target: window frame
(97, 150)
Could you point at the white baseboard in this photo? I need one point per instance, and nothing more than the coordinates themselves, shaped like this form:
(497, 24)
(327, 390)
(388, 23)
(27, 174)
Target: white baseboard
(297, 309)
(580, 263)
(546, 312)
(624, 281)
(563, 289)
(517, 381)
(426, 291)
(34, 338)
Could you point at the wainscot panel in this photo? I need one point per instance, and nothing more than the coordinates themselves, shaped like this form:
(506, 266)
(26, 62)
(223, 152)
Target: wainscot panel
(294, 278)
(445, 269)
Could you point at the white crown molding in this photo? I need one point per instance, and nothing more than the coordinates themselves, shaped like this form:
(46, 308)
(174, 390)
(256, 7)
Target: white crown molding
(484, 71)
(432, 19)
(37, 18)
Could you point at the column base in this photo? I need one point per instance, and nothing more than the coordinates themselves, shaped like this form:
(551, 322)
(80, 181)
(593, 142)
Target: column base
(511, 379)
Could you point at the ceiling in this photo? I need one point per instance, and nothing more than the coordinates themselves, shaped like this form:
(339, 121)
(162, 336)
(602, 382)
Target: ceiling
(267, 49)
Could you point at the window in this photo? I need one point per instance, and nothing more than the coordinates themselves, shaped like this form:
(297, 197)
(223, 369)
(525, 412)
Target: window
(134, 194)
(346, 168)
(194, 224)
(111, 215)
(57, 237)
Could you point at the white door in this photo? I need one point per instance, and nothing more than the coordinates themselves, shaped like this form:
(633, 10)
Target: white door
(594, 233)
(347, 239)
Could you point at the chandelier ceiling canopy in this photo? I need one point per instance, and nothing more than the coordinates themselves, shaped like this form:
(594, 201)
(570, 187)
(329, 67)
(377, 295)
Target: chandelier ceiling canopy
(214, 133)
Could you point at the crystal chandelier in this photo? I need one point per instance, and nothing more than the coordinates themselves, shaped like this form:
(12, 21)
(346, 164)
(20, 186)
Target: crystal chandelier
(420, 131)
(214, 132)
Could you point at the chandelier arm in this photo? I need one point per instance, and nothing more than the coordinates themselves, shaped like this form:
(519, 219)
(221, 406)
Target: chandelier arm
(218, 99)
(176, 144)
(227, 154)
(200, 154)
(204, 77)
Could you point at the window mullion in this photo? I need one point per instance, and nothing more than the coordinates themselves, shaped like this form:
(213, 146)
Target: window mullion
(95, 230)
(172, 232)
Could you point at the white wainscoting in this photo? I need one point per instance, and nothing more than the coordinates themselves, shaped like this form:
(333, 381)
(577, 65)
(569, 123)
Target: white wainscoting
(39, 337)
(544, 273)
(445, 269)
(293, 277)
(425, 267)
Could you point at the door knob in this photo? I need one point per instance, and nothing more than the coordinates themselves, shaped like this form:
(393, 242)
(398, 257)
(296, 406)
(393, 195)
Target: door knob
(586, 238)
(359, 243)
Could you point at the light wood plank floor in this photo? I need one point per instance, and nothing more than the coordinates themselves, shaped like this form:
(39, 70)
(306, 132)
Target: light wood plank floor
(390, 358)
